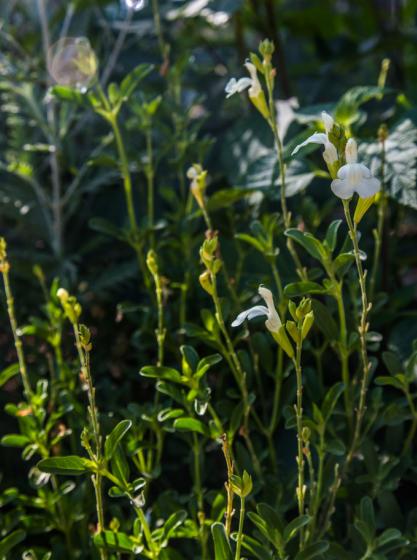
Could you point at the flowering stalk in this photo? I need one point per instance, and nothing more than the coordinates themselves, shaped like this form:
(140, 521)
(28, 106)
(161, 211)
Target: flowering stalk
(152, 264)
(298, 330)
(208, 282)
(229, 488)
(242, 487)
(267, 48)
(83, 344)
(382, 205)
(363, 329)
(5, 268)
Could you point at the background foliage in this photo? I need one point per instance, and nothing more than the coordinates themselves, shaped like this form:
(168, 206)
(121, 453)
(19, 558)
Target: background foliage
(63, 209)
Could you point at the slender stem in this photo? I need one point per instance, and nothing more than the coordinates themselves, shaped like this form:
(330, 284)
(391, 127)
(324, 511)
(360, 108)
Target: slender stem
(363, 328)
(299, 417)
(240, 531)
(280, 156)
(124, 167)
(229, 489)
(163, 47)
(53, 158)
(199, 494)
(5, 267)
(413, 427)
(239, 375)
(379, 231)
(84, 358)
(150, 180)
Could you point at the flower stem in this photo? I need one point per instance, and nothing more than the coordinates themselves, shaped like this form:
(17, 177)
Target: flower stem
(84, 358)
(5, 268)
(363, 329)
(229, 489)
(299, 416)
(240, 531)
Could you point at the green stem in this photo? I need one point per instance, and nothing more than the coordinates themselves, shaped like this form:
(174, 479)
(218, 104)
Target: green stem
(4, 267)
(280, 156)
(150, 182)
(299, 417)
(239, 375)
(84, 359)
(199, 494)
(363, 329)
(240, 530)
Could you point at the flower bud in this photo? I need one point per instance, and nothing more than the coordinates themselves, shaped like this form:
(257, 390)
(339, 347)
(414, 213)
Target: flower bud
(293, 331)
(151, 262)
(307, 324)
(205, 282)
(281, 338)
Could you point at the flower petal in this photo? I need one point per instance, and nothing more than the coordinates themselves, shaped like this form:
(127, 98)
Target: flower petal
(316, 138)
(327, 121)
(251, 313)
(351, 151)
(274, 322)
(342, 188)
(368, 187)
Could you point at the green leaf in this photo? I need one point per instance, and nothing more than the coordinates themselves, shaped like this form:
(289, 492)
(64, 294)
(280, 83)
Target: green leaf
(324, 320)
(69, 465)
(222, 549)
(388, 536)
(8, 373)
(191, 425)
(343, 262)
(392, 362)
(390, 381)
(69, 94)
(131, 81)
(347, 110)
(331, 235)
(117, 541)
(115, 437)
(173, 522)
(294, 526)
(255, 243)
(108, 228)
(331, 399)
(11, 541)
(159, 372)
(308, 241)
(400, 162)
(14, 440)
(312, 550)
(303, 288)
(226, 197)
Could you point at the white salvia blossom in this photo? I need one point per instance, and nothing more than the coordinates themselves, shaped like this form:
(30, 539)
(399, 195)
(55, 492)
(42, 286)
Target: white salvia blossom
(135, 5)
(273, 322)
(237, 86)
(330, 152)
(354, 177)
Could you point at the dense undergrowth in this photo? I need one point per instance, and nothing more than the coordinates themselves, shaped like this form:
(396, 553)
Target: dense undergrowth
(209, 342)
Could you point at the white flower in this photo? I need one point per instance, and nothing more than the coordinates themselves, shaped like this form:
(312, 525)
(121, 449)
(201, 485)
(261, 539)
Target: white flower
(273, 322)
(330, 152)
(237, 86)
(354, 177)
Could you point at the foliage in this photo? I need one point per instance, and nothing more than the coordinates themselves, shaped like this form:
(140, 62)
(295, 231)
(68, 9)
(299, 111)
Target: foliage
(146, 205)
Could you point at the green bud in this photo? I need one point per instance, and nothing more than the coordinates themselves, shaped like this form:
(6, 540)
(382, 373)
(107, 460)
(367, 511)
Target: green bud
(242, 486)
(206, 283)
(266, 48)
(293, 331)
(305, 434)
(307, 324)
(152, 263)
(293, 309)
(282, 339)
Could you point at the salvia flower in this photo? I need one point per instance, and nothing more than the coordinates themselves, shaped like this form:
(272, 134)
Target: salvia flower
(354, 177)
(255, 91)
(322, 138)
(135, 5)
(72, 62)
(273, 322)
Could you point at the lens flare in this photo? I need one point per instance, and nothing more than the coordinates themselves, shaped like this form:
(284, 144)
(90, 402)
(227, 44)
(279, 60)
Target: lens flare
(72, 62)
